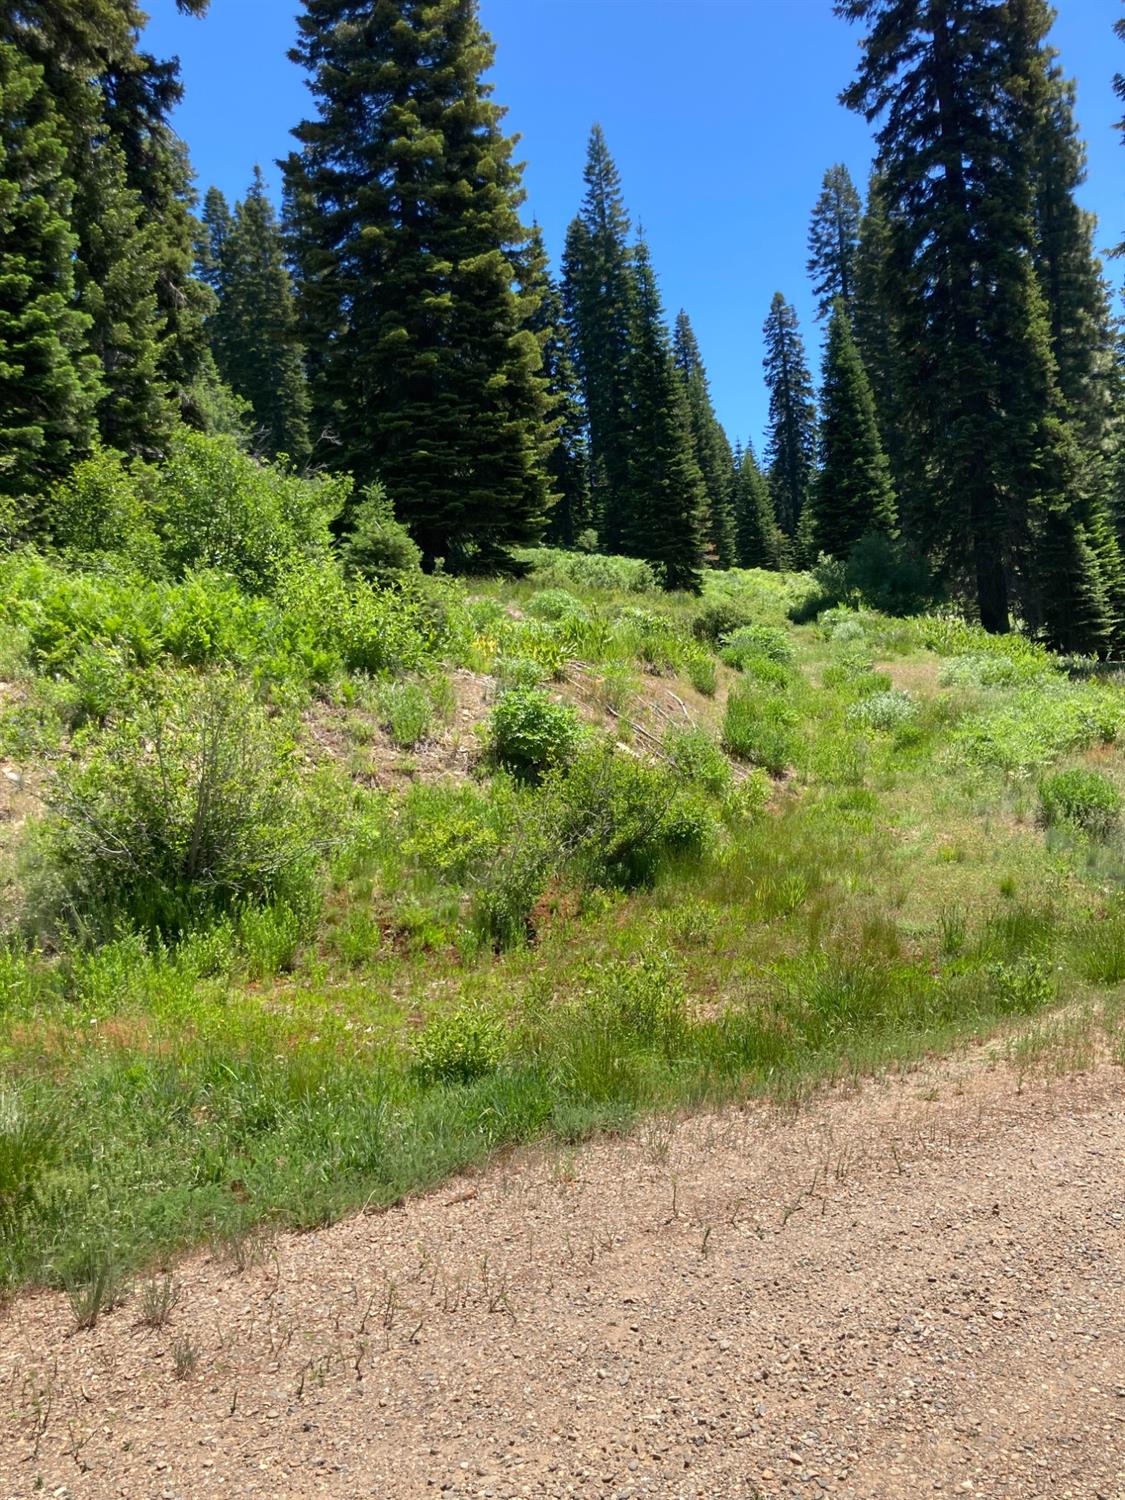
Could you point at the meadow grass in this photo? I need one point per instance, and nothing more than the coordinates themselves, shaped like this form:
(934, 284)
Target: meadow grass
(668, 927)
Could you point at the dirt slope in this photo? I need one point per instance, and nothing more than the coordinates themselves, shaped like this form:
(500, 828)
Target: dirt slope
(916, 1290)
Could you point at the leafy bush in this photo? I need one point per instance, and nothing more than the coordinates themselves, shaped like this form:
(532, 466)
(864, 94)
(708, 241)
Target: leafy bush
(759, 728)
(886, 711)
(1037, 724)
(1084, 798)
(378, 547)
(556, 604)
(102, 507)
(529, 732)
(697, 758)
(518, 672)
(186, 807)
(460, 1046)
(613, 819)
(218, 508)
(702, 672)
(588, 570)
(980, 669)
(405, 712)
(754, 643)
(720, 618)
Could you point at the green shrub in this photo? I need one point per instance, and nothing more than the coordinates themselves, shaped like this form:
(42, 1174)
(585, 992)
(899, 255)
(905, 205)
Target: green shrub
(1036, 724)
(102, 507)
(643, 1002)
(185, 807)
(460, 1046)
(1082, 797)
(613, 819)
(556, 604)
(518, 672)
(702, 672)
(218, 508)
(29, 1146)
(720, 618)
(885, 711)
(529, 732)
(378, 547)
(588, 570)
(697, 758)
(759, 728)
(405, 712)
(755, 642)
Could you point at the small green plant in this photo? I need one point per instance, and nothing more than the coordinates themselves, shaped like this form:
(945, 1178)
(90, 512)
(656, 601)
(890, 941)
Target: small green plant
(556, 604)
(697, 758)
(185, 1357)
(28, 1148)
(755, 642)
(460, 1046)
(516, 672)
(702, 672)
(529, 733)
(405, 713)
(158, 1299)
(93, 1285)
(1081, 797)
(1024, 985)
(759, 728)
(719, 618)
(885, 712)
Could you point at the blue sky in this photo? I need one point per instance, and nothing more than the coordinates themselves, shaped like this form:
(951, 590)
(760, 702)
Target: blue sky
(721, 115)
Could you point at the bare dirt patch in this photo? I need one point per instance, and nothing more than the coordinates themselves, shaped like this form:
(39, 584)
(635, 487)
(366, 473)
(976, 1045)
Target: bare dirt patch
(911, 1290)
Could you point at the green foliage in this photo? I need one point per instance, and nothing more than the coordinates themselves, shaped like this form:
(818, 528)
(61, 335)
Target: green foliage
(702, 672)
(181, 810)
(218, 508)
(460, 1046)
(1081, 797)
(885, 711)
(29, 1146)
(720, 618)
(758, 727)
(882, 576)
(697, 758)
(1033, 726)
(587, 570)
(791, 445)
(756, 642)
(556, 604)
(643, 1003)
(405, 712)
(444, 350)
(103, 507)
(377, 546)
(529, 732)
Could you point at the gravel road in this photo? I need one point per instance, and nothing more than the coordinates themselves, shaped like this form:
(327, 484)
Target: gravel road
(917, 1288)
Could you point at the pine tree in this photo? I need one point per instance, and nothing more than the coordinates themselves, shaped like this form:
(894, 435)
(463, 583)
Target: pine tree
(116, 275)
(710, 445)
(791, 444)
(48, 383)
(874, 321)
(833, 240)
(597, 286)
(254, 330)
(853, 493)
(406, 237)
(215, 221)
(759, 542)
(567, 457)
(985, 423)
(668, 497)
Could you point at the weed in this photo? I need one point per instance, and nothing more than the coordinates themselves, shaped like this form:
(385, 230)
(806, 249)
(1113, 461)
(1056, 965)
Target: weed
(1084, 798)
(159, 1297)
(529, 733)
(93, 1285)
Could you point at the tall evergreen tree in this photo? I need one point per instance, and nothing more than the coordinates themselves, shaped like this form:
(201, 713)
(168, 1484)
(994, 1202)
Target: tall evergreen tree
(567, 456)
(48, 382)
(853, 493)
(834, 239)
(711, 447)
(791, 443)
(254, 330)
(668, 497)
(406, 238)
(874, 320)
(985, 423)
(215, 221)
(759, 541)
(597, 287)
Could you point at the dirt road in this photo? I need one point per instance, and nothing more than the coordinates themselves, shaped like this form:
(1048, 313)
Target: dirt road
(917, 1289)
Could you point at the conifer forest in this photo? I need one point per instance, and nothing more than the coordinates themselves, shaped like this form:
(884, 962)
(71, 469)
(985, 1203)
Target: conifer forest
(425, 731)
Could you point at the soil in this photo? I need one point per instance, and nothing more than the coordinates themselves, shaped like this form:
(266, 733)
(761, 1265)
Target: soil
(916, 1288)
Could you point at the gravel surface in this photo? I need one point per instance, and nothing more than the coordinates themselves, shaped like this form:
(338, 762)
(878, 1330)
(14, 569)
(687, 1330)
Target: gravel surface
(916, 1289)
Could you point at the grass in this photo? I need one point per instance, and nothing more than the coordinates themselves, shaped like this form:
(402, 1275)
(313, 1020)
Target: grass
(285, 1063)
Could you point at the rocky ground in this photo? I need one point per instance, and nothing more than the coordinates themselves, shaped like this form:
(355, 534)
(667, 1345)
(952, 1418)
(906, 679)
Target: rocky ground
(913, 1289)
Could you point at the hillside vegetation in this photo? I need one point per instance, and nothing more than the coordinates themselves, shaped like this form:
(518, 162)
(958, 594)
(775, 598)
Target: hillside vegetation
(320, 882)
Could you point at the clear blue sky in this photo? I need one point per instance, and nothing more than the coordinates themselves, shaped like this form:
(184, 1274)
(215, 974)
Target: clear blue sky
(721, 115)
